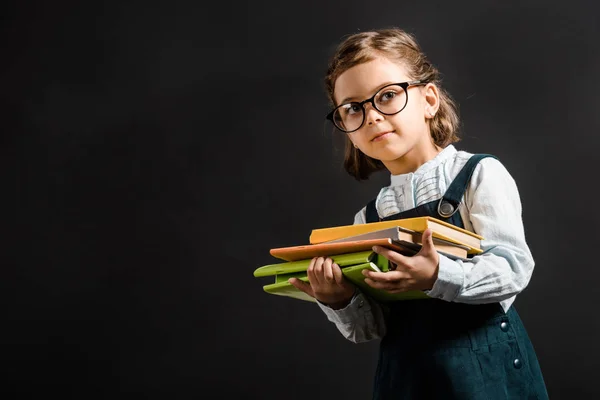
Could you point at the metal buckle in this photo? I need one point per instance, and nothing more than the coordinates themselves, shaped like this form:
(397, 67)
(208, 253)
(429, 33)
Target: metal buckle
(445, 208)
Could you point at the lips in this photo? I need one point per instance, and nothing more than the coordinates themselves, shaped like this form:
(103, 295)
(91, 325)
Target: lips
(380, 136)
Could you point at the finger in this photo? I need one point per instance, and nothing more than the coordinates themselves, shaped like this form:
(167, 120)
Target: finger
(302, 286)
(318, 269)
(338, 275)
(393, 256)
(392, 276)
(397, 290)
(327, 271)
(310, 272)
(427, 246)
(388, 286)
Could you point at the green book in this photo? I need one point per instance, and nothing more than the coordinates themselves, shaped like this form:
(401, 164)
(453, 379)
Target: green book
(381, 295)
(284, 288)
(283, 271)
(351, 265)
(343, 260)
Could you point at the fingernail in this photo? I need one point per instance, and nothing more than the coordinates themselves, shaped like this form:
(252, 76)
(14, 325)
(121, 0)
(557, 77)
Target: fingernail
(376, 248)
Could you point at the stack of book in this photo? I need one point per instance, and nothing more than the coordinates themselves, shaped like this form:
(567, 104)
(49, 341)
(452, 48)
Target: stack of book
(350, 246)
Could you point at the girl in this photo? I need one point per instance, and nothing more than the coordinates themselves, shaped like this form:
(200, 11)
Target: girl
(467, 341)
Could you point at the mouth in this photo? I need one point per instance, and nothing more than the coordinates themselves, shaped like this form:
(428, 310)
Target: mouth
(381, 136)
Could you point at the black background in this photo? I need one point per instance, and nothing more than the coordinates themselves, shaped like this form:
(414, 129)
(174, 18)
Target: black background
(153, 152)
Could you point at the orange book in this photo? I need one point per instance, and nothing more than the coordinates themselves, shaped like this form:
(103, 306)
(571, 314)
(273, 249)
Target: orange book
(440, 229)
(408, 248)
(303, 252)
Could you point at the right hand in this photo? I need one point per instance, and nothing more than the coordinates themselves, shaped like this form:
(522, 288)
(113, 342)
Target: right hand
(327, 283)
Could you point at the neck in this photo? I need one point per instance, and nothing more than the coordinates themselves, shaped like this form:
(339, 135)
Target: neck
(412, 160)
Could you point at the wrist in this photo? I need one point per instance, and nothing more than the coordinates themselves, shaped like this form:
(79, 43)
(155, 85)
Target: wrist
(434, 276)
(338, 304)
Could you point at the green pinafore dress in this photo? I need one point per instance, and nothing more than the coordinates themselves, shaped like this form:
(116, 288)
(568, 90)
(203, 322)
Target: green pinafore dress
(434, 349)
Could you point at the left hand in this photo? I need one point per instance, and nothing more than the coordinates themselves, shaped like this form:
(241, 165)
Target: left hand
(418, 272)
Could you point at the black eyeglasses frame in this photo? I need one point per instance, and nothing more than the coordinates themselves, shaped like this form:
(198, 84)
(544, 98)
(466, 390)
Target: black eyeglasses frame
(361, 104)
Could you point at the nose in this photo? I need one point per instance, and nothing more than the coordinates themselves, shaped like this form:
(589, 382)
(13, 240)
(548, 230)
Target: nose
(372, 116)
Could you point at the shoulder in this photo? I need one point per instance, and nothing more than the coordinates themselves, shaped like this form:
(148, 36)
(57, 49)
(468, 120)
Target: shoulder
(491, 180)
(457, 161)
(491, 168)
(361, 216)
(486, 167)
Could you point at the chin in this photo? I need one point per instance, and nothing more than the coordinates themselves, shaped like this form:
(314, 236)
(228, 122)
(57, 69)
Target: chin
(390, 154)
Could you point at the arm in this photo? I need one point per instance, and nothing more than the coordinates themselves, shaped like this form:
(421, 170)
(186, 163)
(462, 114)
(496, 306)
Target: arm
(359, 321)
(362, 319)
(493, 208)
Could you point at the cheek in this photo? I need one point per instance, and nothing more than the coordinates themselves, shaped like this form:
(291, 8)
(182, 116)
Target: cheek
(400, 122)
(407, 122)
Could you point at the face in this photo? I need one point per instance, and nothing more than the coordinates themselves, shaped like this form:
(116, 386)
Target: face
(402, 141)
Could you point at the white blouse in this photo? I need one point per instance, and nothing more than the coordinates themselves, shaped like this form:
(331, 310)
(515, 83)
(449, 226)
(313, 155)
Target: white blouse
(491, 207)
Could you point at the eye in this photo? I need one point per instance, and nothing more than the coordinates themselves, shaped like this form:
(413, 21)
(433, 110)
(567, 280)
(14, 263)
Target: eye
(387, 96)
(351, 109)
(355, 108)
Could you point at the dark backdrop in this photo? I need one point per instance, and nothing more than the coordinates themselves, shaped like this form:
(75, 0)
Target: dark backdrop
(153, 152)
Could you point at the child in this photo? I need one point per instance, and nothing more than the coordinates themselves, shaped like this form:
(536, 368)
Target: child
(467, 341)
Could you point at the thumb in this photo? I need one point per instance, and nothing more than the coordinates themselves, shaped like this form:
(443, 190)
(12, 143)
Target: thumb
(427, 240)
(302, 286)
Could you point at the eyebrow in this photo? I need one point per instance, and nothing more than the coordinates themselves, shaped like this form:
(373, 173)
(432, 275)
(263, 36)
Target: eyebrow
(350, 99)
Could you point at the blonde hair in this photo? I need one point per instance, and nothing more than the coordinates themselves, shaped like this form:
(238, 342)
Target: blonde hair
(400, 46)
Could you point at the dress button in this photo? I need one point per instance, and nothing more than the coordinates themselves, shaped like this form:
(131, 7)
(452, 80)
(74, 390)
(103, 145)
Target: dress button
(517, 363)
(504, 326)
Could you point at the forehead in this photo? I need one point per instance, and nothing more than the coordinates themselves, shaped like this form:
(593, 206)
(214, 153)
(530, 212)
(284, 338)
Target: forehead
(362, 80)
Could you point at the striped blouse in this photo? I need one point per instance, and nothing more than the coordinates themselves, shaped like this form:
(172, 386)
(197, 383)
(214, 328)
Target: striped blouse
(491, 207)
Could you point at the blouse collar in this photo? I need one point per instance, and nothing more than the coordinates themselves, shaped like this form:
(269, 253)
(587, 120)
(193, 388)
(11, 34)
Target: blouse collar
(449, 151)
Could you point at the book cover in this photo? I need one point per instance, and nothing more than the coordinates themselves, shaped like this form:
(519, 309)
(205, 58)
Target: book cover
(348, 264)
(284, 288)
(440, 229)
(303, 252)
(302, 265)
(353, 274)
(409, 238)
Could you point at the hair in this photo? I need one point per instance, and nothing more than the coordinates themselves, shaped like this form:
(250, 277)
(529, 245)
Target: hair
(400, 46)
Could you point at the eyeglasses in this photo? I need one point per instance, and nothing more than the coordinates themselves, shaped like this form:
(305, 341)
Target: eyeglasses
(389, 100)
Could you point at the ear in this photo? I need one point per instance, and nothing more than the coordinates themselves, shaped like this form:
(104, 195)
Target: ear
(432, 100)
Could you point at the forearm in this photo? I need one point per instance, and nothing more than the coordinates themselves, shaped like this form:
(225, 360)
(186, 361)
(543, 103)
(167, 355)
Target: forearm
(493, 210)
(497, 275)
(360, 321)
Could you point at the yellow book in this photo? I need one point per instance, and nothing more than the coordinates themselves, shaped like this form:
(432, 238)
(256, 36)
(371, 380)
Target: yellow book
(442, 230)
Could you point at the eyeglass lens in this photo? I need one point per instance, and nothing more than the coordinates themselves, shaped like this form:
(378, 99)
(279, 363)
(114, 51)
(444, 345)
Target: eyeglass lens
(389, 100)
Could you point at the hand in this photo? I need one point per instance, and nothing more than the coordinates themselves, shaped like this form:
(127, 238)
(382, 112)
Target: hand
(418, 272)
(327, 283)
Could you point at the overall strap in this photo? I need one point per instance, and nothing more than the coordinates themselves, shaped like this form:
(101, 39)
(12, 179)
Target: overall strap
(371, 212)
(448, 204)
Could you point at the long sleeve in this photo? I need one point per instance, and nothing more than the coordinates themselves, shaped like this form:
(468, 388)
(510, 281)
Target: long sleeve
(363, 318)
(493, 209)
(360, 321)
